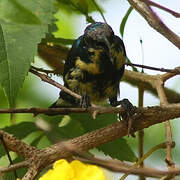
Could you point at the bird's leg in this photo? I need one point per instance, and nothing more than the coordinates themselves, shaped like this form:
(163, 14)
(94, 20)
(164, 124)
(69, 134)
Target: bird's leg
(85, 101)
(126, 117)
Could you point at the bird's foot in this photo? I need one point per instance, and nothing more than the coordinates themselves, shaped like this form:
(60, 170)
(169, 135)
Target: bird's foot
(127, 116)
(85, 101)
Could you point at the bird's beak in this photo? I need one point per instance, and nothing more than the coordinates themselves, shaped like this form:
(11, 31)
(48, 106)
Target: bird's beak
(109, 48)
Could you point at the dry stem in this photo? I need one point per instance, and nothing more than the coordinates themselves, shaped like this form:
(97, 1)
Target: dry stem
(151, 3)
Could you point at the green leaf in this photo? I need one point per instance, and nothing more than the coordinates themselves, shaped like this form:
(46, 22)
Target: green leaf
(116, 149)
(20, 172)
(63, 127)
(90, 124)
(21, 130)
(12, 11)
(72, 6)
(125, 18)
(22, 26)
(83, 5)
(78, 6)
(37, 140)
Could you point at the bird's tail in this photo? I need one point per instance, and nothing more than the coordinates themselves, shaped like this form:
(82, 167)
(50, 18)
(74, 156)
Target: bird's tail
(64, 101)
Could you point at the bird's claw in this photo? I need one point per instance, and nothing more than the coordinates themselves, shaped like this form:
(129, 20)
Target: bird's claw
(127, 116)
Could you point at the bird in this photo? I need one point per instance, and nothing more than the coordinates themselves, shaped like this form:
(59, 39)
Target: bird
(93, 69)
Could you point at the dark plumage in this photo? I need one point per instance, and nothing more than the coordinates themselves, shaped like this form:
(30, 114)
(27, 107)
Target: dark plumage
(94, 67)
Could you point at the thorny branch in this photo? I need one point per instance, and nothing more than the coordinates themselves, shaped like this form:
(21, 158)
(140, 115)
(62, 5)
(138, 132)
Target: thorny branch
(39, 159)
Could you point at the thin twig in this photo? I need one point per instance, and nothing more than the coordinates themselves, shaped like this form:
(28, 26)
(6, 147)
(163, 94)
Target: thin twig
(163, 101)
(54, 83)
(8, 155)
(176, 70)
(151, 3)
(141, 132)
(146, 155)
(44, 70)
(14, 166)
(155, 21)
(118, 166)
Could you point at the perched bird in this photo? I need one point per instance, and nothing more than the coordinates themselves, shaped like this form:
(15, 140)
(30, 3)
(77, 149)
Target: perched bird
(94, 68)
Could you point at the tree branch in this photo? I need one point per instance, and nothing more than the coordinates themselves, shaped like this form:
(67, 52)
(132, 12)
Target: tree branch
(154, 21)
(137, 78)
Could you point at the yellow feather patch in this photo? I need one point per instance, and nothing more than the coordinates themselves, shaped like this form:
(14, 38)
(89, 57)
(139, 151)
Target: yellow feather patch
(93, 67)
(77, 73)
(60, 102)
(73, 84)
(119, 56)
(96, 56)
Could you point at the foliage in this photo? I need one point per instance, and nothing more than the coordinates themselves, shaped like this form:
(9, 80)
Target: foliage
(22, 25)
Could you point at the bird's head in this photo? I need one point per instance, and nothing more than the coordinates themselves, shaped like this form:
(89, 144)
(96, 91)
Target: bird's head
(100, 33)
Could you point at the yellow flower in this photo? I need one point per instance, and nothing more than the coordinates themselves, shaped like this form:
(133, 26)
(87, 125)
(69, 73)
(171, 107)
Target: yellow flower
(76, 170)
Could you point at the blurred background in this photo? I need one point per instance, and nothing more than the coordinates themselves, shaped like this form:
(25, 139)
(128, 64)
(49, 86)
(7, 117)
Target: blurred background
(155, 50)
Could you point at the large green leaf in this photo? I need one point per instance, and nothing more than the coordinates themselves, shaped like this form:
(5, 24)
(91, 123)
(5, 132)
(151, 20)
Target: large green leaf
(22, 26)
(13, 11)
(63, 127)
(116, 149)
(21, 130)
